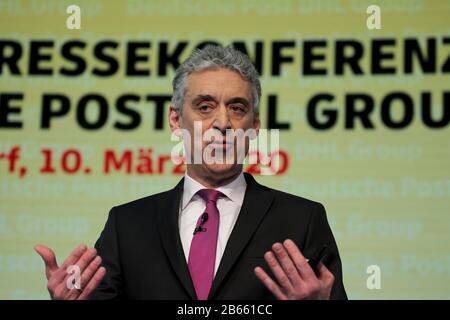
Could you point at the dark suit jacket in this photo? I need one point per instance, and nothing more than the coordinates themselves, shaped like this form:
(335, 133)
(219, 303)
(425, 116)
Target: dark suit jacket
(142, 252)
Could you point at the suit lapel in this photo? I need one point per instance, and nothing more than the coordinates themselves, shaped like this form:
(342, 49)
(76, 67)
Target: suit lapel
(256, 203)
(170, 237)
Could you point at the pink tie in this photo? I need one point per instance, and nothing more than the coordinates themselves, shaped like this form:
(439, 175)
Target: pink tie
(202, 254)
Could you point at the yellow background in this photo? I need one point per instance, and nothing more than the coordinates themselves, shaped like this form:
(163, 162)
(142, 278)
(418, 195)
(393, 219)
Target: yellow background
(404, 232)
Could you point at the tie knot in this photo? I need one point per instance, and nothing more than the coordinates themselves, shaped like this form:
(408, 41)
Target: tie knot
(209, 195)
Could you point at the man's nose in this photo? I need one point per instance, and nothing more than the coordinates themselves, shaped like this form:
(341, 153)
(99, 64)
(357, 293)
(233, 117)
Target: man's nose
(222, 120)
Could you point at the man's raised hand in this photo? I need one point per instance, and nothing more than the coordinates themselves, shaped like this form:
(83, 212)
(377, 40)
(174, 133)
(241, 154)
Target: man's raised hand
(294, 278)
(89, 264)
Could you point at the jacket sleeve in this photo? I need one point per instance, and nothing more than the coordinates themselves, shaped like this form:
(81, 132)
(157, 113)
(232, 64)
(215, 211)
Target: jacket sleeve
(319, 234)
(107, 247)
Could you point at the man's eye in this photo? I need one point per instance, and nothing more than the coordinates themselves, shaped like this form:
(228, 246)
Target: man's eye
(237, 109)
(204, 108)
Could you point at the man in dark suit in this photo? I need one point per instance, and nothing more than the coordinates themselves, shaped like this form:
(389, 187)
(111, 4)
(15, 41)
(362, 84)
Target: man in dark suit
(218, 234)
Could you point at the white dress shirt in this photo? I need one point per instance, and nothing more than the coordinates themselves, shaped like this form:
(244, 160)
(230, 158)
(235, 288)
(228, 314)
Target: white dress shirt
(192, 206)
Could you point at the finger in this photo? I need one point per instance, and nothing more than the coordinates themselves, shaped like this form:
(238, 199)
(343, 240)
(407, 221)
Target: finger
(47, 254)
(325, 275)
(305, 270)
(86, 258)
(287, 264)
(82, 264)
(326, 280)
(76, 254)
(87, 274)
(278, 272)
(93, 283)
(269, 283)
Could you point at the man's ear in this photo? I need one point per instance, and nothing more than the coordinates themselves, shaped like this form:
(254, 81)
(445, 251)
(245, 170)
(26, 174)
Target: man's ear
(174, 118)
(256, 122)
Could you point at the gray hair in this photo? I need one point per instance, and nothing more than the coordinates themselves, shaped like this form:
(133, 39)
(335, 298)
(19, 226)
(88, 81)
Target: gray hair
(213, 57)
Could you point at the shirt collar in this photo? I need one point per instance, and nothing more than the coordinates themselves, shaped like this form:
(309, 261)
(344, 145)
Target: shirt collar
(234, 190)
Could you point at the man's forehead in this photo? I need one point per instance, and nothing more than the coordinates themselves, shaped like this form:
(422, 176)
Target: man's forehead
(216, 83)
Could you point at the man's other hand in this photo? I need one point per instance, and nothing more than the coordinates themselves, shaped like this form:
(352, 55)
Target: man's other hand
(295, 279)
(89, 264)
